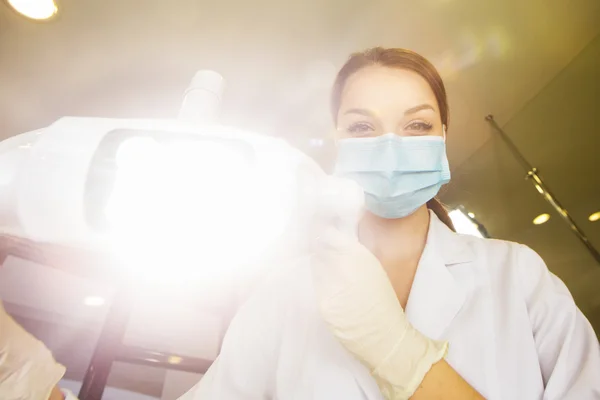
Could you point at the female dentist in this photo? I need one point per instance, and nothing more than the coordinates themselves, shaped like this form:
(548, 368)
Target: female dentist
(405, 308)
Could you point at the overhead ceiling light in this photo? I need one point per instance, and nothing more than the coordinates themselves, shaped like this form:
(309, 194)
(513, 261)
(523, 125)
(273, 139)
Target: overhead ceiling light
(540, 219)
(594, 217)
(94, 301)
(35, 9)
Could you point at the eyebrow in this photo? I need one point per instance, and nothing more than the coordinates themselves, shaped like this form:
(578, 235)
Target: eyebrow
(418, 108)
(360, 111)
(412, 110)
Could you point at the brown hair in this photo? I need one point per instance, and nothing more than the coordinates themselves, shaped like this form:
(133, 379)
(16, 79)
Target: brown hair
(401, 59)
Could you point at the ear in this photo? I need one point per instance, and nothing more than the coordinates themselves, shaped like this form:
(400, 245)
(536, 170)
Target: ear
(444, 131)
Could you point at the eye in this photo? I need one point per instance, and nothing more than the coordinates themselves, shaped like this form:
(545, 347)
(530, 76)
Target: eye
(360, 129)
(419, 126)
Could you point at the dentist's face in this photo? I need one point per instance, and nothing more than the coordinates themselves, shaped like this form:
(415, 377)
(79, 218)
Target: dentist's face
(378, 100)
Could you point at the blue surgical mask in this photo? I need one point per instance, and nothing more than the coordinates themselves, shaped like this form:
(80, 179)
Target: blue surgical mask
(398, 174)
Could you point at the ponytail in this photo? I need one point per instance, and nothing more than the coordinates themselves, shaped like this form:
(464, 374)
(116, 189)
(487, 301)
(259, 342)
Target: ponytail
(441, 212)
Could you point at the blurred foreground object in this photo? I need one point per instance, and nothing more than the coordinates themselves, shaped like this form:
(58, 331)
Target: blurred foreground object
(27, 369)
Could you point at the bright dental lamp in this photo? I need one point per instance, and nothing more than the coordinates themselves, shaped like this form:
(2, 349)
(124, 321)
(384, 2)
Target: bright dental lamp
(187, 205)
(166, 196)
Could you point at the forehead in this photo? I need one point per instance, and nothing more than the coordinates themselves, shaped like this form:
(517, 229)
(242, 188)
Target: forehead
(380, 89)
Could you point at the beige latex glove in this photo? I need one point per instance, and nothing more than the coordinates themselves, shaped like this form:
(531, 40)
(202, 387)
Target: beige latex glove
(27, 369)
(358, 303)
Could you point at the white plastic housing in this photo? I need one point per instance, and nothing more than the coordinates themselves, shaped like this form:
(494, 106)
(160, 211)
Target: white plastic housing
(43, 175)
(202, 99)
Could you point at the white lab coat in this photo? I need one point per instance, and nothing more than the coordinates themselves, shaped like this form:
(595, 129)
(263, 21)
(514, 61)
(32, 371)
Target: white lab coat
(513, 328)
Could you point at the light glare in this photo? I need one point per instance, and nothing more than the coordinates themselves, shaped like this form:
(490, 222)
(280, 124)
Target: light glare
(463, 224)
(539, 189)
(94, 301)
(35, 9)
(195, 209)
(174, 360)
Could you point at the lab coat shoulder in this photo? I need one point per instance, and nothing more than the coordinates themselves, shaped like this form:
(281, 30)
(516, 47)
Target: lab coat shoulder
(567, 347)
(512, 263)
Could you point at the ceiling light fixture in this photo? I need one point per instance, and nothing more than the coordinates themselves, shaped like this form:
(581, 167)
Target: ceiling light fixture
(540, 219)
(94, 301)
(594, 217)
(38, 10)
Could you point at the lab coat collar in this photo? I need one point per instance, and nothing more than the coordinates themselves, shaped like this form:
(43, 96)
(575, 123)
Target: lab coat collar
(451, 246)
(436, 296)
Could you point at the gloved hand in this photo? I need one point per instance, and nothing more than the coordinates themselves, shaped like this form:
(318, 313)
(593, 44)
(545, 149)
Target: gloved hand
(358, 303)
(27, 369)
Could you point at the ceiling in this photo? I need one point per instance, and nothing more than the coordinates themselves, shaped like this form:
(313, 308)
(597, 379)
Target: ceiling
(127, 58)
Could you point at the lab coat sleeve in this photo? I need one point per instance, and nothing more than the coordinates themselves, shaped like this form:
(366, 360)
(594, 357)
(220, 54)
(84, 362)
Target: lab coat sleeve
(245, 367)
(567, 347)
